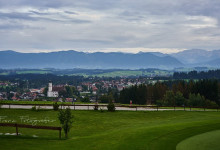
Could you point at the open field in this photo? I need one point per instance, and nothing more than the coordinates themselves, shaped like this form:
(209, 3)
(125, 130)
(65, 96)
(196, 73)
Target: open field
(107, 130)
(93, 72)
(33, 72)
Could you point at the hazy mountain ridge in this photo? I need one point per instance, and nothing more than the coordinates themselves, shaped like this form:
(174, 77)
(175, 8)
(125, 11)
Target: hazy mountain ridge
(101, 60)
(72, 59)
(197, 57)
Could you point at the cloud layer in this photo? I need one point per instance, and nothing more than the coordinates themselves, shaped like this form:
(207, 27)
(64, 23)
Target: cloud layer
(116, 25)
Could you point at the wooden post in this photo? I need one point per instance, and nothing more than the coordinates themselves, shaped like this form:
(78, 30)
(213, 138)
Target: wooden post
(88, 107)
(60, 133)
(16, 126)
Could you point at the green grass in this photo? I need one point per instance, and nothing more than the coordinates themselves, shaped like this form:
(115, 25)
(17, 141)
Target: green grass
(205, 141)
(33, 72)
(111, 130)
(4, 73)
(128, 73)
(120, 73)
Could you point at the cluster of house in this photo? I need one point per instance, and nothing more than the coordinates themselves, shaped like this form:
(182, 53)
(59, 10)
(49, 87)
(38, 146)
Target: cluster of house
(32, 94)
(118, 84)
(84, 87)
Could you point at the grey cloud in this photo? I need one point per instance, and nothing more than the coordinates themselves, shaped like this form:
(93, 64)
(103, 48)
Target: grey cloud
(28, 16)
(71, 12)
(88, 41)
(21, 16)
(6, 27)
(114, 23)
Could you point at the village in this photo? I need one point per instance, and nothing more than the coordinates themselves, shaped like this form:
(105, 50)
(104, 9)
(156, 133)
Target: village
(68, 93)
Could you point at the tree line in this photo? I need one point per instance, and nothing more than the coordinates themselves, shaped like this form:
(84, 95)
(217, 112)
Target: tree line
(174, 93)
(197, 75)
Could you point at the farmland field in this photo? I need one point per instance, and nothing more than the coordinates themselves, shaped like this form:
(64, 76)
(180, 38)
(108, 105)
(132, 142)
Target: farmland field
(32, 72)
(110, 130)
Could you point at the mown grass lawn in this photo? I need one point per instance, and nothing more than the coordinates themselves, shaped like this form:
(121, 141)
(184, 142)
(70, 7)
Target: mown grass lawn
(110, 130)
(205, 141)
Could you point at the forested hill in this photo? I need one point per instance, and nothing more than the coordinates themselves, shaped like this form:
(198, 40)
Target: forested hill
(74, 59)
(197, 75)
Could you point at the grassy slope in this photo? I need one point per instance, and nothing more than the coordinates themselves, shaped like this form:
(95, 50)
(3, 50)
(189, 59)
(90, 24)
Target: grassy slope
(118, 130)
(205, 141)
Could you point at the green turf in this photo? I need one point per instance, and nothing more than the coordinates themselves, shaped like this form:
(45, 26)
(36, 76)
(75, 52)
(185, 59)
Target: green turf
(205, 141)
(111, 130)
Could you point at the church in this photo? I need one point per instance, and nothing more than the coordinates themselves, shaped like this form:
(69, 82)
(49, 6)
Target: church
(51, 91)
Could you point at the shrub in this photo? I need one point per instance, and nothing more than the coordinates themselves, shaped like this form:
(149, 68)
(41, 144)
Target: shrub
(85, 100)
(211, 104)
(34, 108)
(56, 106)
(159, 103)
(101, 110)
(111, 106)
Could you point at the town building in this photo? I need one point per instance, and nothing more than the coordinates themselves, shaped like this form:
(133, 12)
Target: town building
(51, 92)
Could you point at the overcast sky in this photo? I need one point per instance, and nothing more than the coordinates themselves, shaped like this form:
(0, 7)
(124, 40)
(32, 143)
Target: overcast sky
(109, 25)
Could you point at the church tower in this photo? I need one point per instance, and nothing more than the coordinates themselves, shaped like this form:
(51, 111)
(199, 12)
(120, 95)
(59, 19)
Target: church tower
(51, 92)
(50, 87)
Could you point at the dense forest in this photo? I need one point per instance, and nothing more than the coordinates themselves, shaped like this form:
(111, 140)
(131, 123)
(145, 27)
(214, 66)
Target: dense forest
(174, 93)
(197, 75)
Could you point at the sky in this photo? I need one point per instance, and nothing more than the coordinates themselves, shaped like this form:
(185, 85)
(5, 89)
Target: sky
(109, 25)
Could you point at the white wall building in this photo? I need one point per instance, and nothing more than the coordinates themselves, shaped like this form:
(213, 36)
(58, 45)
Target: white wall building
(50, 92)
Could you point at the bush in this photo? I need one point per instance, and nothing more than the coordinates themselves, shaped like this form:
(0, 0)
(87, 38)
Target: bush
(85, 100)
(34, 108)
(196, 100)
(101, 110)
(56, 106)
(211, 104)
(159, 103)
(111, 106)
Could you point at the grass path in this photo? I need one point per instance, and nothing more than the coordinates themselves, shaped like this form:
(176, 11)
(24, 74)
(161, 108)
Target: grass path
(94, 130)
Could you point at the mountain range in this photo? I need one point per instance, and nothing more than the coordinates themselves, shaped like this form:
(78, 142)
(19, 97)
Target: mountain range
(100, 60)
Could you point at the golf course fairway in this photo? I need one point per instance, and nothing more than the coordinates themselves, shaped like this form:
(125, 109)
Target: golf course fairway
(120, 130)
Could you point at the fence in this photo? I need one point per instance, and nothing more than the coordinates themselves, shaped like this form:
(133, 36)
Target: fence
(31, 126)
(119, 107)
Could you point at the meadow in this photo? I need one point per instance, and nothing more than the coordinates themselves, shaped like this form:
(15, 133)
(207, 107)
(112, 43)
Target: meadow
(111, 130)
